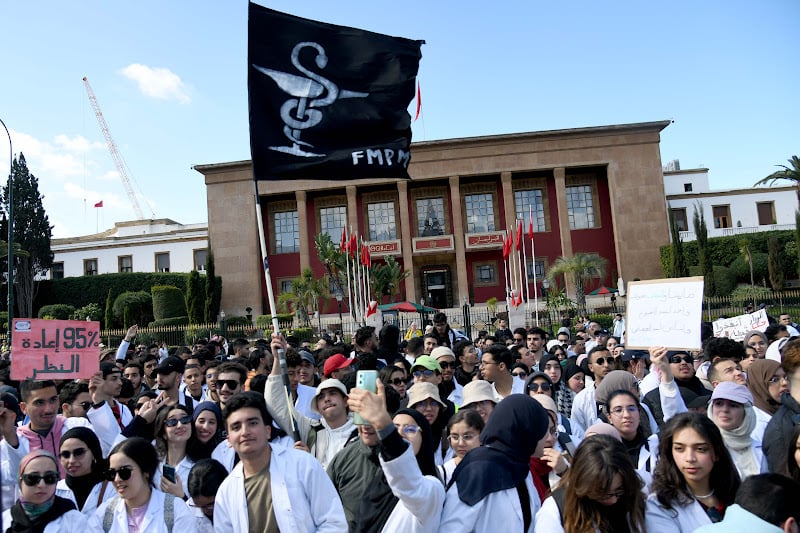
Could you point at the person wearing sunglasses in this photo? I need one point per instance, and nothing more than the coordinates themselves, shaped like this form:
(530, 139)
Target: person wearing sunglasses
(676, 368)
(175, 442)
(132, 469)
(396, 377)
(39, 508)
(407, 495)
(448, 387)
(75, 399)
(82, 459)
(584, 406)
(539, 384)
(599, 492)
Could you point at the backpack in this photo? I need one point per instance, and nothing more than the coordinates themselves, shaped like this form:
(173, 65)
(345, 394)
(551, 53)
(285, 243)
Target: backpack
(169, 512)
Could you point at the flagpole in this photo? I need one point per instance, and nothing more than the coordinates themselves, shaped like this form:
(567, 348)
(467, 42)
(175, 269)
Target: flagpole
(533, 258)
(527, 284)
(349, 290)
(287, 388)
(505, 265)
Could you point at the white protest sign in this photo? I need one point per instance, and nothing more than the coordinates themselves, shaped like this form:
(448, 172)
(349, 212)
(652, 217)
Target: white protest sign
(516, 316)
(664, 312)
(736, 327)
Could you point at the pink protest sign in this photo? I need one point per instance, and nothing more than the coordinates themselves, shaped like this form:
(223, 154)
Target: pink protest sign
(54, 349)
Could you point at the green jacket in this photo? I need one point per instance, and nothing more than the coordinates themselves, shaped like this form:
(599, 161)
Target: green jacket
(351, 471)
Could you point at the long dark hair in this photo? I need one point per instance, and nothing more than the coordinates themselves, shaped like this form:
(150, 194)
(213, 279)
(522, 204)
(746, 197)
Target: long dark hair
(597, 461)
(670, 486)
(161, 433)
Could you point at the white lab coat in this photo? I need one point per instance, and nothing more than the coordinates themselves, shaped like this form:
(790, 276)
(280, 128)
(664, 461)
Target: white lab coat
(420, 497)
(181, 471)
(90, 505)
(679, 519)
(303, 496)
(498, 511)
(762, 420)
(584, 408)
(153, 519)
(69, 521)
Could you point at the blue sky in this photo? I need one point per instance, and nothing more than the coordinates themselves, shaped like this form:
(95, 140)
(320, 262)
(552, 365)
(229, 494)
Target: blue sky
(170, 78)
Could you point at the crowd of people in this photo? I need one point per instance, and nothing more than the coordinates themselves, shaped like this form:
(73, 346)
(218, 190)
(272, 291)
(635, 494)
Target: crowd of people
(512, 431)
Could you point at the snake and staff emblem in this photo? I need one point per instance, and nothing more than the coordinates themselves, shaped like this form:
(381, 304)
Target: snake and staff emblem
(302, 111)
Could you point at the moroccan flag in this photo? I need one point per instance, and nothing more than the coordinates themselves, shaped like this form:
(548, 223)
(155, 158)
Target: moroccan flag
(99, 204)
(530, 224)
(328, 102)
(519, 234)
(508, 243)
(343, 242)
(419, 102)
(353, 246)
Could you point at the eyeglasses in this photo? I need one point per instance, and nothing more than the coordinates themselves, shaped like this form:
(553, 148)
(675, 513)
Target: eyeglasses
(50, 478)
(630, 409)
(397, 381)
(77, 453)
(600, 361)
(231, 383)
(419, 373)
(86, 405)
(172, 422)
(484, 363)
(407, 429)
(676, 359)
(209, 507)
(534, 387)
(447, 364)
(123, 471)
(520, 374)
(778, 379)
(616, 495)
(466, 437)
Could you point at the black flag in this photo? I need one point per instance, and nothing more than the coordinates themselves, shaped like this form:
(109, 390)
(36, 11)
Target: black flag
(328, 102)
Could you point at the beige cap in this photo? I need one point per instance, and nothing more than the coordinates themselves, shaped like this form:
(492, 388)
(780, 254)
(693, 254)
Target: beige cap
(546, 402)
(440, 351)
(477, 391)
(327, 384)
(422, 391)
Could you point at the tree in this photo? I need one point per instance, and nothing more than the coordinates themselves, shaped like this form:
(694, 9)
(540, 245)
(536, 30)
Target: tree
(386, 278)
(774, 264)
(744, 249)
(706, 267)
(790, 172)
(797, 238)
(32, 230)
(579, 268)
(213, 293)
(332, 258)
(195, 298)
(306, 290)
(109, 322)
(679, 268)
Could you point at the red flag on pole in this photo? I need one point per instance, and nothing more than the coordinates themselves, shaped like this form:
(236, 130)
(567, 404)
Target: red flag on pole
(419, 102)
(507, 244)
(519, 234)
(343, 242)
(99, 204)
(530, 224)
(353, 246)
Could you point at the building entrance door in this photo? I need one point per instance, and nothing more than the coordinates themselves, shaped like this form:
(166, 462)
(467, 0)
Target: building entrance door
(436, 281)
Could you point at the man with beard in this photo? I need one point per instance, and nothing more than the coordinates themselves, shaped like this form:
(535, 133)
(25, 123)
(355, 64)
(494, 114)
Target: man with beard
(467, 355)
(168, 378)
(584, 407)
(677, 370)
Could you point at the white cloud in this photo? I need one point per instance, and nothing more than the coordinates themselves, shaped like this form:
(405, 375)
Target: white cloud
(156, 82)
(61, 159)
(111, 175)
(79, 144)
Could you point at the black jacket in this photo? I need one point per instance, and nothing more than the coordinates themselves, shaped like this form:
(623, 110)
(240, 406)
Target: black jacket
(779, 429)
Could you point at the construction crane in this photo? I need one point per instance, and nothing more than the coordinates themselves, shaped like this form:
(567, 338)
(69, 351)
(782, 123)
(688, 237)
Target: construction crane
(112, 148)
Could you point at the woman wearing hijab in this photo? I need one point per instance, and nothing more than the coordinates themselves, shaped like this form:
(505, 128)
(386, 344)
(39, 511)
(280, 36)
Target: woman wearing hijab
(38, 509)
(208, 429)
(766, 380)
(562, 395)
(623, 380)
(731, 410)
(82, 460)
(493, 480)
(406, 494)
(758, 341)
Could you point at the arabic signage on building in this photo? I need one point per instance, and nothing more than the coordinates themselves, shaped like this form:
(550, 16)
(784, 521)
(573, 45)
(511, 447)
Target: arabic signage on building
(442, 243)
(384, 248)
(477, 241)
(54, 349)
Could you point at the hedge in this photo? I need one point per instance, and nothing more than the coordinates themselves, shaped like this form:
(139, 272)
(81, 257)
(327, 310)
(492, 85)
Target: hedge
(138, 305)
(724, 279)
(83, 290)
(56, 311)
(168, 302)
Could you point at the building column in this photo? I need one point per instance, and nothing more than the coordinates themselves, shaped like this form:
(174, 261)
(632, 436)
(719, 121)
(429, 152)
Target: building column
(405, 224)
(563, 220)
(458, 240)
(509, 214)
(352, 209)
(302, 228)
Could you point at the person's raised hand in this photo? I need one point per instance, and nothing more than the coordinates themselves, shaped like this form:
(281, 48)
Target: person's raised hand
(371, 406)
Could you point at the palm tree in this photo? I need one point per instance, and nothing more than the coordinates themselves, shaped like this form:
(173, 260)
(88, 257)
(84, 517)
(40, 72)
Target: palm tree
(306, 291)
(332, 258)
(790, 172)
(386, 278)
(579, 268)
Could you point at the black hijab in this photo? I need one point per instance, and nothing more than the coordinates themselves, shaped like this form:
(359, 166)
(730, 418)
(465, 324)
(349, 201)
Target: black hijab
(82, 486)
(379, 501)
(502, 461)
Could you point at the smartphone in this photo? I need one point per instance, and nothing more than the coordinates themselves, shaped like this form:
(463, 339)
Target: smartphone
(365, 380)
(169, 473)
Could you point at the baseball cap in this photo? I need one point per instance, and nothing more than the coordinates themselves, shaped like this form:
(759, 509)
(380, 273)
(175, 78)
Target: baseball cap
(422, 391)
(630, 355)
(335, 362)
(428, 362)
(171, 364)
(327, 384)
(305, 355)
(109, 368)
(734, 392)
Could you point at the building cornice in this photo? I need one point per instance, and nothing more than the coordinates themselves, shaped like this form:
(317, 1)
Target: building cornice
(732, 192)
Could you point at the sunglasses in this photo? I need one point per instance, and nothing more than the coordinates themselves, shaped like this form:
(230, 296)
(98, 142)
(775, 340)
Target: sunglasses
(447, 364)
(676, 359)
(231, 383)
(50, 478)
(603, 360)
(77, 453)
(397, 381)
(519, 374)
(85, 405)
(124, 473)
(172, 422)
(534, 387)
(420, 373)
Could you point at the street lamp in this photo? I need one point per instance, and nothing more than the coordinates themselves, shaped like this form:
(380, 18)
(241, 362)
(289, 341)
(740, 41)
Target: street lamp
(339, 297)
(223, 326)
(545, 289)
(10, 257)
(467, 321)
